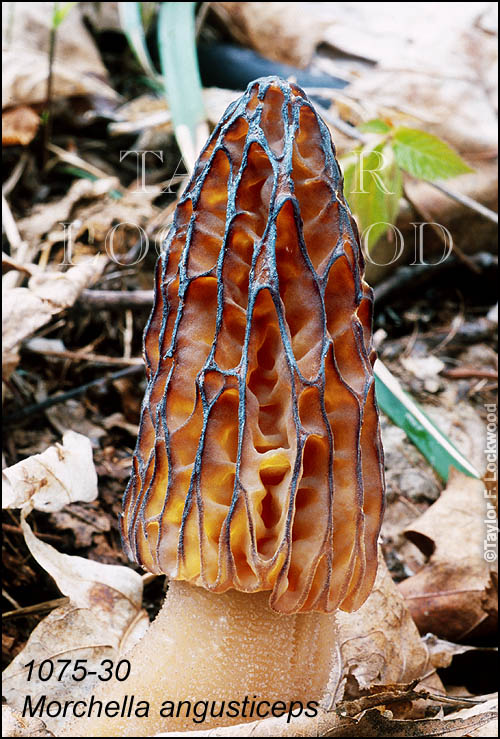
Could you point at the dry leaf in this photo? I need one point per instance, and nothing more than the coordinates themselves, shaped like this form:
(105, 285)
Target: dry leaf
(400, 61)
(88, 213)
(49, 481)
(19, 126)
(13, 724)
(84, 523)
(25, 309)
(150, 117)
(104, 616)
(425, 369)
(456, 110)
(280, 31)
(461, 723)
(72, 415)
(379, 643)
(451, 596)
(475, 721)
(441, 651)
(103, 619)
(77, 68)
(51, 216)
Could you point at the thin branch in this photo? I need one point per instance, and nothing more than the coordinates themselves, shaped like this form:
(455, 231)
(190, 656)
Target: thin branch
(48, 605)
(116, 298)
(466, 200)
(409, 277)
(76, 161)
(36, 408)
(19, 248)
(78, 356)
(422, 213)
(47, 129)
(14, 177)
(465, 373)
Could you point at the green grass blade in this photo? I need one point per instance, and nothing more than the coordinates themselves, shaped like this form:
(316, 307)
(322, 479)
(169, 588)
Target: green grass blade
(60, 13)
(405, 413)
(131, 22)
(81, 174)
(179, 64)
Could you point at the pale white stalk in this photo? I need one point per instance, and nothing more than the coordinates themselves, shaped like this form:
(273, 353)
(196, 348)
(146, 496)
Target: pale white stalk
(206, 646)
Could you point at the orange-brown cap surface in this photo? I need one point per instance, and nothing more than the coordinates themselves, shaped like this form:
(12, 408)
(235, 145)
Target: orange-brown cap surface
(258, 464)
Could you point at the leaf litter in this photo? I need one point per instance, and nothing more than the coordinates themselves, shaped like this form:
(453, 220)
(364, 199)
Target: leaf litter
(395, 677)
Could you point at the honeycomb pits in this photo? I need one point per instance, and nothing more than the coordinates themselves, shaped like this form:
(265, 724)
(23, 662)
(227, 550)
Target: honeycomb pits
(258, 464)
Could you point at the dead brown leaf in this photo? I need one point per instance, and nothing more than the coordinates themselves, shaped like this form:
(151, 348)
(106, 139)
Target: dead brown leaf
(77, 68)
(14, 724)
(441, 651)
(84, 523)
(476, 721)
(104, 618)
(26, 309)
(49, 481)
(19, 126)
(48, 217)
(451, 595)
(380, 644)
(72, 415)
(280, 31)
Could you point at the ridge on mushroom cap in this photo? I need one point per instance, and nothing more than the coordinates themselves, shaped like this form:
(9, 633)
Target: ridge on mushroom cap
(258, 464)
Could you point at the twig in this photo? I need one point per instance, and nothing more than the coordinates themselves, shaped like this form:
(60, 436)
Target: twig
(13, 179)
(47, 129)
(11, 229)
(8, 264)
(9, 597)
(469, 332)
(47, 605)
(466, 200)
(19, 247)
(341, 125)
(200, 18)
(412, 276)
(76, 356)
(128, 333)
(18, 530)
(76, 161)
(465, 373)
(159, 118)
(36, 408)
(116, 298)
(422, 213)
(455, 326)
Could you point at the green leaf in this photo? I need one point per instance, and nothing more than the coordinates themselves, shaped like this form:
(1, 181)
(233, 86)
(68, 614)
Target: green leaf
(374, 126)
(425, 156)
(131, 22)
(179, 64)
(373, 189)
(405, 413)
(60, 13)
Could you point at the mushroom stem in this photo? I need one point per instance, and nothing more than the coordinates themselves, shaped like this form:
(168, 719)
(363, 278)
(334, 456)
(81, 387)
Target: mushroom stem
(217, 648)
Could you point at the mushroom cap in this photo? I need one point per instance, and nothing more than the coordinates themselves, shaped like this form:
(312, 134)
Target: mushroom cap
(258, 464)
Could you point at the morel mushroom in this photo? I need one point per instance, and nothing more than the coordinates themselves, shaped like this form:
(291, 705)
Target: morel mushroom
(257, 483)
